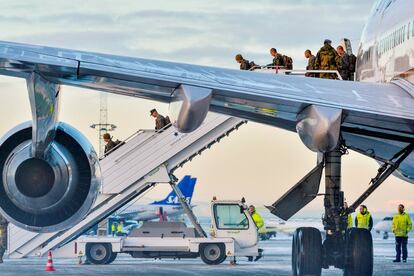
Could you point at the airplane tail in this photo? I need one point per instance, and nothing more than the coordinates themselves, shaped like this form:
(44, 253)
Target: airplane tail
(186, 185)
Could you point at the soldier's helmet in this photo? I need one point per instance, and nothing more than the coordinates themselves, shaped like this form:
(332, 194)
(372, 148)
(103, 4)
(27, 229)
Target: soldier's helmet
(239, 57)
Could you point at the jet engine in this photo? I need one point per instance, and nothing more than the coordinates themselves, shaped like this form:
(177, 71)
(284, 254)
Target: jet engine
(51, 192)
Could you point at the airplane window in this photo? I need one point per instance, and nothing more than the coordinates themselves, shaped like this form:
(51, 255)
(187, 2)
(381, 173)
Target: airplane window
(388, 218)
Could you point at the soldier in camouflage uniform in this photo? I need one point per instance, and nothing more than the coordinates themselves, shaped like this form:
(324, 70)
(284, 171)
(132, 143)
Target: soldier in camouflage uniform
(244, 63)
(160, 121)
(277, 58)
(326, 59)
(343, 63)
(3, 236)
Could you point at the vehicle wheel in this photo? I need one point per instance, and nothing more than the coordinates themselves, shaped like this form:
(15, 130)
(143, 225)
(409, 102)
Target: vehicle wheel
(112, 258)
(307, 252)
(98, 253)
(385, 237)
(212, 253)
(360, 253)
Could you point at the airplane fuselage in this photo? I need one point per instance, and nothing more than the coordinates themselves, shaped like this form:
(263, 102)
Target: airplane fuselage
(386, 53)
(387, 43)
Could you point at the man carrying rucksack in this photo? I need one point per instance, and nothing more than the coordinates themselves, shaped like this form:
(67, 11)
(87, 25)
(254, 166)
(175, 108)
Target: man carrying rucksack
(244, 63)
(110, 144)
(278, 60)
(160, 121)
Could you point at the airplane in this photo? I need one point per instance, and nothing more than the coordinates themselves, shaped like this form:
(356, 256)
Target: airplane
(385, 226)
(289, 227)
(373, 116)
(169, 206)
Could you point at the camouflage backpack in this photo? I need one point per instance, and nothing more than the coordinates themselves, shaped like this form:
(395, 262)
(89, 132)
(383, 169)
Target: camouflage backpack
(288, 62)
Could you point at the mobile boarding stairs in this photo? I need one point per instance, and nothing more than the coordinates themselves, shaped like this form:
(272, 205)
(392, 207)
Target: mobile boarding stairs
(147, 158)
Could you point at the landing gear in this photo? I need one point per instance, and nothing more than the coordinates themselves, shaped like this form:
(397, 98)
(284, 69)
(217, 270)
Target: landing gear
(347, 249)
(307, 252)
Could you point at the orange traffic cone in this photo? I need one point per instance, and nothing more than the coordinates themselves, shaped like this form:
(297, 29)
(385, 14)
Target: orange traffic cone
(49, 264)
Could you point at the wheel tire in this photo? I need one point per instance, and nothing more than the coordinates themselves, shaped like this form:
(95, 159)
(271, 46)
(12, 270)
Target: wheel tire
(112, 258)
(212, 253)
(360, 253)
(98, 253)
(307, 252)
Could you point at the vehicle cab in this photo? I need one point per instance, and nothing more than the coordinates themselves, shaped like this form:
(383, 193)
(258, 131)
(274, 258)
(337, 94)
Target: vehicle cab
(231, 219)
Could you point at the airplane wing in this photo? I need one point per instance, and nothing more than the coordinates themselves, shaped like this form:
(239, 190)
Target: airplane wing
(379, 109)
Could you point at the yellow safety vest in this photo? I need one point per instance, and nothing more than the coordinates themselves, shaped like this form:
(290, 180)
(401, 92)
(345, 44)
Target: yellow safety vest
(401, 225)
(258, 220)
(113, 227)
(363, 220)
(350, 222)
(119, 228)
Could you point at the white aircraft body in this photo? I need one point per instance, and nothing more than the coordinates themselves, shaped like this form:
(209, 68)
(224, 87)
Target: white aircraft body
(169, 207)
(373, 116)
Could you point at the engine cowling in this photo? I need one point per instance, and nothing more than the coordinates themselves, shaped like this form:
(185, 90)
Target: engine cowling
(51, 193)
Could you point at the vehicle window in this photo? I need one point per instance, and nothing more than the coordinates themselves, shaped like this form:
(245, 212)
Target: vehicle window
(228, 216)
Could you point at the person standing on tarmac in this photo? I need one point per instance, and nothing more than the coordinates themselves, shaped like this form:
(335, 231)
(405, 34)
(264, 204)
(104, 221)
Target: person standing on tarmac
(326, 59)
(3, 236)
(364, 218)
(259, 222)
(401, 226)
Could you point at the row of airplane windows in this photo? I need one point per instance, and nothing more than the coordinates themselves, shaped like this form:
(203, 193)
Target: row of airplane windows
(396, 38)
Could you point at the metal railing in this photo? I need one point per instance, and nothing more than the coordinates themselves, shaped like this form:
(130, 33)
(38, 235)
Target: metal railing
(297, 72)
(155, 132)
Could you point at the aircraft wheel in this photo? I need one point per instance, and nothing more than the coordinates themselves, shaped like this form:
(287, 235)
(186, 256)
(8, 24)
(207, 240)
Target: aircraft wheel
(385, 237)
(360, 253)
(98, 253)
(307, 252)
(212, 253)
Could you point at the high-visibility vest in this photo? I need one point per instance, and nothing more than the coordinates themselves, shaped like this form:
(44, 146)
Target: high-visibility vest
(363, 220)
(401, 225)
(113, 227)
(350, 223)
(119, 228)
(258, 220)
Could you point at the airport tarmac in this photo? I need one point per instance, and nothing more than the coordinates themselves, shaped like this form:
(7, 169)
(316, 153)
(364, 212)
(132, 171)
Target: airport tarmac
(275, 262)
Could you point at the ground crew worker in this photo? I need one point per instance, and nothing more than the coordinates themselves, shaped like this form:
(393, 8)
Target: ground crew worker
(350, 223)
(401, 226)
(244, 63)
(343, 63)
(3, 236)
(119, 229)
(326, 59)
(311, 63)
(258, 221)
(113, 229)
(160, 121)
(363, 219)
(109, 143)
(278, 60)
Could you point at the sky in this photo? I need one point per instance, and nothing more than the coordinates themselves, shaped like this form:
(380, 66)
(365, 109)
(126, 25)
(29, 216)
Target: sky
(258, 162)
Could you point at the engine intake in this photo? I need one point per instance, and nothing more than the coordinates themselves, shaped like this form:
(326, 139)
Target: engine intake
(51, 193)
